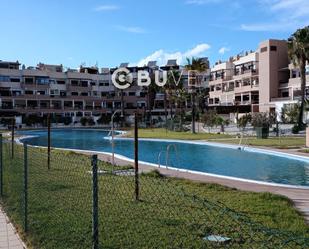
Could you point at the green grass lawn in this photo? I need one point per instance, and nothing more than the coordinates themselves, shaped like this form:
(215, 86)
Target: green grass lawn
(284, 142)
(171, 213)
(166, 134)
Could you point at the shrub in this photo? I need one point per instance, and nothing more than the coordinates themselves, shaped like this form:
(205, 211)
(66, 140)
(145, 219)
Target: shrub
(83, 121)
(33, 119)
(104, 119)
(222, 122)
(262, 119)
(67, 120)
(91, 121)
(290, 113)
(210, 118)
(295, 129)
(244, 120)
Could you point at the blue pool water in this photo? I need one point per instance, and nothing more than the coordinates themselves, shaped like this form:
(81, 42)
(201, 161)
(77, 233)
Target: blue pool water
(198, 157)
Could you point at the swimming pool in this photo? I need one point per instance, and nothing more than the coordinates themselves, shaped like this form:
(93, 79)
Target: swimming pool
(251, 164)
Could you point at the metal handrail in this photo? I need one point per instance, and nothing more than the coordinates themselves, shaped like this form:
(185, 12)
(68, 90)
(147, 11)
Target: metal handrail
(167, 154)
(159, 159)
(245, 144)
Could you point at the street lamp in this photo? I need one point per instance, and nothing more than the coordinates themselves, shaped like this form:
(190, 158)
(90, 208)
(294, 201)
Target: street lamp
(113, 145)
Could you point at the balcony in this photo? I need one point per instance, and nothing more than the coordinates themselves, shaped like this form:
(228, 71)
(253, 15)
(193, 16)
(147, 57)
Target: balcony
(281, 99)
(245, 74)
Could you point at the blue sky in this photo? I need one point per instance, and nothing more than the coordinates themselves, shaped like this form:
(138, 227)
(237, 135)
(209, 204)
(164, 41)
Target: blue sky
(72, 32)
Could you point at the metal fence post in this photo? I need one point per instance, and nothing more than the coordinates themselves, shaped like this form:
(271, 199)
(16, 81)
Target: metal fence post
(1, 165)
(25, 187)
(13, 137)
(95, 231)
(48, 141)
(136, 157)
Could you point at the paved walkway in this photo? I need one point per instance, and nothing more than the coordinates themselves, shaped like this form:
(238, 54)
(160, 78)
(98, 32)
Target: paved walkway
(9, 239)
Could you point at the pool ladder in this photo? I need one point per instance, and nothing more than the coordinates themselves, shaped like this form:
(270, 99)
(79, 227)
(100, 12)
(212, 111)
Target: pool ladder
(242, 146)
(167, 155)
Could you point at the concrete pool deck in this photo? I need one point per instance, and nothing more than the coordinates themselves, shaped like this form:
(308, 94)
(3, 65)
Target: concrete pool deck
(299, 196)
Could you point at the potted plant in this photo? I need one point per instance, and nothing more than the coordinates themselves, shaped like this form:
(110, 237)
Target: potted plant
(261, 123)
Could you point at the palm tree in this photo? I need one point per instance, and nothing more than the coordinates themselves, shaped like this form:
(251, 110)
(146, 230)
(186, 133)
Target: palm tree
(122, 108)
(169, 90)
(298, 48)
(182, 96)
(152, 89)
(197, 65)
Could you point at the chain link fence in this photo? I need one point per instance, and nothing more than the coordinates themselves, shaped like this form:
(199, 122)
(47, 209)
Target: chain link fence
(82, 202)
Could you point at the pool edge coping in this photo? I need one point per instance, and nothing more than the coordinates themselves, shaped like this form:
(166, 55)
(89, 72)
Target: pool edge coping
(194, 172)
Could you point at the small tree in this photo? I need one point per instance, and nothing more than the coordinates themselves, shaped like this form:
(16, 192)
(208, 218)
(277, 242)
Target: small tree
(222, 122)
(209, 119)
(243, 121)
(261, 122)
(262, 119)
(290, 113)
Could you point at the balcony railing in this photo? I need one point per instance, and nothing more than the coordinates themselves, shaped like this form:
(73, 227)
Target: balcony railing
(281, 99)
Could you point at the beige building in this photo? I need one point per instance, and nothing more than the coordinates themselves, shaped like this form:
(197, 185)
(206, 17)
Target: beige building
(86, 92)
(72, 93)
(263, 80)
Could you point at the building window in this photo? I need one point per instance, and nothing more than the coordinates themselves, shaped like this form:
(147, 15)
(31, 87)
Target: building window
(84, 83)
(141, 104)
(273, 48)
(84, 94)
(42, 81)
(285, 94)
(29, 80)
(130, 105)
(29, 92)
(15, 79)
(74, 93)
(103, 83)
(131, 93)
(61, 82)
(264, 49)
(54, 92)
(74, 82)
(41, 92)
(4, 78)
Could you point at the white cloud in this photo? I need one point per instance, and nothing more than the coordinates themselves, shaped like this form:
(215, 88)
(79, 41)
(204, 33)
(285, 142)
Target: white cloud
(162, 56)
(130, 29)
(276, 26)
(297, 8)
(223, 50)
(106, 7)
(287, 15)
